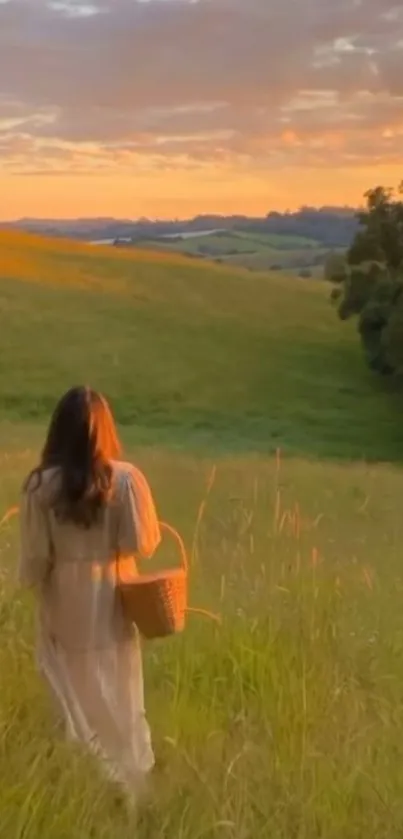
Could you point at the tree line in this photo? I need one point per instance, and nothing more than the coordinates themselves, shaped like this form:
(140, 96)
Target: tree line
(330, 227)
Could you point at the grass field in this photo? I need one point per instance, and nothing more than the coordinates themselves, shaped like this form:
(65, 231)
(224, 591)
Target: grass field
(278, 456)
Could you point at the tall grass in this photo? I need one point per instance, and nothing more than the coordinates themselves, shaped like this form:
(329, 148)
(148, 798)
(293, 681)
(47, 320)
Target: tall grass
(283, 722)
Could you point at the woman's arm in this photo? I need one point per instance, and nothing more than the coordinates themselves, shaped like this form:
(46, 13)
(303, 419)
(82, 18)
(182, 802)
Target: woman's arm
(139, 532)
(35, 549)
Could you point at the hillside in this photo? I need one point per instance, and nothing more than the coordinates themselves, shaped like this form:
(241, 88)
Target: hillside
(186, 350)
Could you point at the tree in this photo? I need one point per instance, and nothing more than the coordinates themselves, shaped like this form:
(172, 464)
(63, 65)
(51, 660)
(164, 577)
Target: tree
(380, 236)
(371, 288)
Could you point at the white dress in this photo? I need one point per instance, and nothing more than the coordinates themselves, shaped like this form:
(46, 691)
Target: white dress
(87, 650)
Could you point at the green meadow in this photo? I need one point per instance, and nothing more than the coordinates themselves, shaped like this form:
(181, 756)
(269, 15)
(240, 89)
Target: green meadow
(277, 455)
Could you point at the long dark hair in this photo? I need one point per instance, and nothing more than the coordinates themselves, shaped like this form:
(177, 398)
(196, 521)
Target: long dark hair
(81, 443)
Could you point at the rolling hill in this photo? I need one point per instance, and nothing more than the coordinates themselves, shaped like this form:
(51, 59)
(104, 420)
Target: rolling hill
(187, 351)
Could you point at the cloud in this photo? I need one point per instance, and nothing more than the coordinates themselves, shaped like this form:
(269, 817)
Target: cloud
(102, 84)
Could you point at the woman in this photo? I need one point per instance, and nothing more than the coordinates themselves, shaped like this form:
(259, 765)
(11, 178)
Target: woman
(85, 515)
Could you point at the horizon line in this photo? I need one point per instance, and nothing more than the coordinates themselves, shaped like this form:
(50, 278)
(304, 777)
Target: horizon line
(179, 219)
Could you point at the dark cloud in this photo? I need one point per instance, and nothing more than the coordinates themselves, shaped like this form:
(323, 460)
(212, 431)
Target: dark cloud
(202, 80)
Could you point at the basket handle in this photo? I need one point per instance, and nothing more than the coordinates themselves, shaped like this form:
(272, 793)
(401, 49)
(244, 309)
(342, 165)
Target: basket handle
(169, 529)
(216, 618)
(178, 538)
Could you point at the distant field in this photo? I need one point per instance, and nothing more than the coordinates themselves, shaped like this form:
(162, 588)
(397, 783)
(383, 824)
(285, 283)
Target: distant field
(257, 252)
(281, 242)
(290, 262)
(251, 410)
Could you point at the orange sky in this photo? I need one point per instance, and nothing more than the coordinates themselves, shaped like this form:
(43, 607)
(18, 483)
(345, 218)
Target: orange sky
(263, 105)
(183, 195)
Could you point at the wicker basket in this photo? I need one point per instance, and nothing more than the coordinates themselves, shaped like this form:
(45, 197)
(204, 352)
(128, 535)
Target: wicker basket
(157, 603)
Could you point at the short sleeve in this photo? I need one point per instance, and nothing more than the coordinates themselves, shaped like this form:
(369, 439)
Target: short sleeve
(35, 549)
(138, 530)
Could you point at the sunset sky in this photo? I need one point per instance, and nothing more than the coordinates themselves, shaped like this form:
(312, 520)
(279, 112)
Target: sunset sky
(167, 108)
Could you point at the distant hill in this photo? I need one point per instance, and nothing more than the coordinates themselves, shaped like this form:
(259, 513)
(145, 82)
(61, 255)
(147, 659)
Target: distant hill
(256, 251)
(330, 227)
